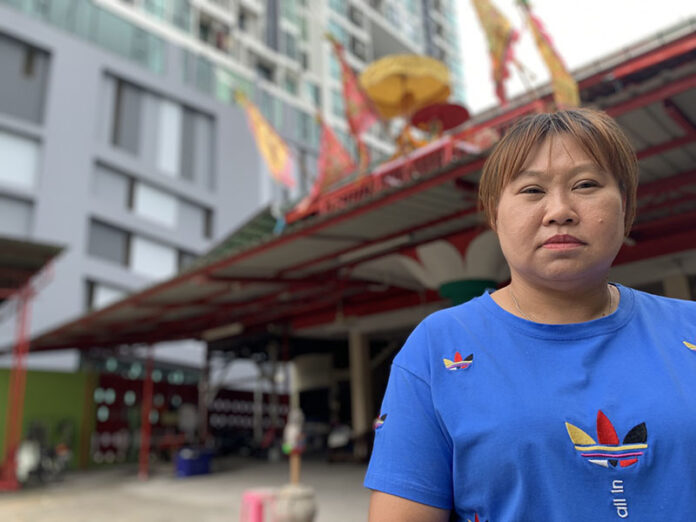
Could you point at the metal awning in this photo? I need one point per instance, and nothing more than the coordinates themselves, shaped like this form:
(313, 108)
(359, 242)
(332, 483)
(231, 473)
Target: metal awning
(20, 261)
(307, 275)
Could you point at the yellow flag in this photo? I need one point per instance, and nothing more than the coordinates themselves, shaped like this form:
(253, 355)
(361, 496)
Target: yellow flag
(565, 88)
(501, 36)
(272, 147)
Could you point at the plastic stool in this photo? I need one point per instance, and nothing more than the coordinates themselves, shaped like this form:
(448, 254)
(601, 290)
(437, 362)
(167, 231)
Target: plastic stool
(253, 503)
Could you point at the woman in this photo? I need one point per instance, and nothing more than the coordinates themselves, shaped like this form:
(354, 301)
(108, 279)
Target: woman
(559, 397)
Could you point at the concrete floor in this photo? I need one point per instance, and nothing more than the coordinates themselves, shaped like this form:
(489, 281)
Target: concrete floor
(117, 496)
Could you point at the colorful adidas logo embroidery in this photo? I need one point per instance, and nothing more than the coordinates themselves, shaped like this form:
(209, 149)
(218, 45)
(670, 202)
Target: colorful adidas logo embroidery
(476, 518)
(690, 346)
(459, 363)
(609, 451)
(379, 421)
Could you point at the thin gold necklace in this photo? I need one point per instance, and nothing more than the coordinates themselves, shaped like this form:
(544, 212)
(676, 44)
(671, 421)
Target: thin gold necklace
(517, 305)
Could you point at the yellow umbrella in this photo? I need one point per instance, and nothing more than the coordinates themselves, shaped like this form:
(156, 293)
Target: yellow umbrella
(400, 84)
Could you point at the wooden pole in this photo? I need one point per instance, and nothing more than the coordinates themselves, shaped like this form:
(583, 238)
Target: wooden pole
(295, 467)
(145, 427)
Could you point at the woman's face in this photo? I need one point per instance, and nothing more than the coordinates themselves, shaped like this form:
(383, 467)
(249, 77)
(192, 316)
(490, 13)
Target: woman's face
(560, 222)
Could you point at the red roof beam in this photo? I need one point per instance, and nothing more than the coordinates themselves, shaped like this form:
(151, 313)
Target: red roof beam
(655, 247)
(679, 117)
(661, 93)
(666, 146)
(682, 46)
(663, 186)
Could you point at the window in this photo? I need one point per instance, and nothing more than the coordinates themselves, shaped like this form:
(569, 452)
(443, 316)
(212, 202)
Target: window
(264, 71)
(100, 295)
(186, 259)
(304, 29)
(126, 129)
(112, 187)
(335, 67)
(340, 6)
(338, 32)
(169, 134)
(16, 217)
(183, 138)
(155, 205)
(355, 16)
(338, 105)
(194, 220)
(24, 78)
(313, 93)
(289, 45)
(108, 242)
(358, 48)
(197, 147)
(20, 157)
(152, 259)
(290, 85)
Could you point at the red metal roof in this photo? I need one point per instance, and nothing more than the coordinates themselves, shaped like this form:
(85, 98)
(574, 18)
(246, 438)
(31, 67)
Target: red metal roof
(306, 276)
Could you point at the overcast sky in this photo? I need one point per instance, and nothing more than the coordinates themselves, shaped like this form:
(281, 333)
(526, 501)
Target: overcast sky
(582, 31)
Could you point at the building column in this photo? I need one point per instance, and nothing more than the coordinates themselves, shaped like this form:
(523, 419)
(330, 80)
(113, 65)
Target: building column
(677, 286)
(360, 391)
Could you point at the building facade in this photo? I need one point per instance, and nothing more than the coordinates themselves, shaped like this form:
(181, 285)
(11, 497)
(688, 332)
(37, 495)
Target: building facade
(121, 140)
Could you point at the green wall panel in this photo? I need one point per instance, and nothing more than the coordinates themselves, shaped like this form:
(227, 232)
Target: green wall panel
(52, 400)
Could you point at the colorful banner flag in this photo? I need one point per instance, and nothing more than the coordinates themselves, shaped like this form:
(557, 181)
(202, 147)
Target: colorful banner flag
(565, 88)
(501, 37)
(360, 112)
(275, 152)
(334, 163)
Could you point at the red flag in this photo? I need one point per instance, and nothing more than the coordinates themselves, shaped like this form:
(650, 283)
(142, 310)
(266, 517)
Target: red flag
(360, 112)
(334, 164)
(501, 37)
(565, 88)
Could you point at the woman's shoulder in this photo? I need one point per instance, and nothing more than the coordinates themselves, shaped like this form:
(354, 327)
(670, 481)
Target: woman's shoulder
(653, 303)
(430, 337)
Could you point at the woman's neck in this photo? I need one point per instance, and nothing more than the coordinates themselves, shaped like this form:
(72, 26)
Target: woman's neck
(557, 306)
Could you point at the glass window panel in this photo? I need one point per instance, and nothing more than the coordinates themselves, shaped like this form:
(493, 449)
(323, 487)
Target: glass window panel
(169, 134)
(114, 33)
(111, 187)
(107, 242)
(192, 219)
(104, 295)
(186, 259)
(152, 259)
(155, 205)
(15, 217)
(19, 160)
(127, 109)
(187, 145)
(24, 75)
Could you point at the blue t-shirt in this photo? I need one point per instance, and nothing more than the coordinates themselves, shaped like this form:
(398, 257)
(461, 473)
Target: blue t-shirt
(494, 416)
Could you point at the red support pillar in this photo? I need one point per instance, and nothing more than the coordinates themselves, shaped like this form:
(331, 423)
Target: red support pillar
(145, 426)
(15, 410)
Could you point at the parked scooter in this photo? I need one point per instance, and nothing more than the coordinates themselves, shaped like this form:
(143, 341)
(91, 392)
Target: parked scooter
(39, 461)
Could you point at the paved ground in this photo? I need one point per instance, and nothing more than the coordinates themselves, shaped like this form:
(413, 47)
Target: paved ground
(117, 496)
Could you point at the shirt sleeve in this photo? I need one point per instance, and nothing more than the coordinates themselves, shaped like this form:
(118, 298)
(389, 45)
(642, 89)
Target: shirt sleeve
(412, 455)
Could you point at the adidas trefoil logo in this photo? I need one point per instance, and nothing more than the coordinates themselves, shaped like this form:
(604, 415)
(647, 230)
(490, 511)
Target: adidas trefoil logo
(379, 421)
(459, 363)
(690, 346)
(608, 451)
